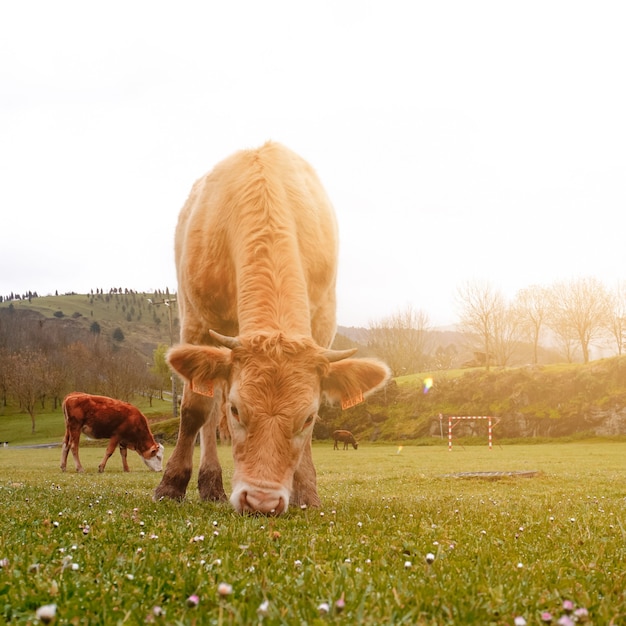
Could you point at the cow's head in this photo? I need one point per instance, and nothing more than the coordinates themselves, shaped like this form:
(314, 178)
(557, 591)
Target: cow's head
(153, 457)
(273, 386)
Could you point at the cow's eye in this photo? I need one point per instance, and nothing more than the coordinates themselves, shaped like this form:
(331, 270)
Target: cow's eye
(234, 411)
(309, 420)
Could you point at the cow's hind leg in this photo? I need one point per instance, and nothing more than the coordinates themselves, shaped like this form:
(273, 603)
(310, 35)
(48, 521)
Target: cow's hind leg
(65, 450)
(210, 485)
(73, 442)
(304, 490)
(124, 455)
(177, 474)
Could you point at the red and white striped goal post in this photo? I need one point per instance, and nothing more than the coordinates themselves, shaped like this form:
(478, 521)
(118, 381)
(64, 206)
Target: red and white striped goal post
(454, 420)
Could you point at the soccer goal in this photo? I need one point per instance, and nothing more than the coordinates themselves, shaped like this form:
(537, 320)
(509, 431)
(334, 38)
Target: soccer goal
(454, 420)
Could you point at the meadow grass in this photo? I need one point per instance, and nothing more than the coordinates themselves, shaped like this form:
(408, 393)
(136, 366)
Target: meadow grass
(97, 547)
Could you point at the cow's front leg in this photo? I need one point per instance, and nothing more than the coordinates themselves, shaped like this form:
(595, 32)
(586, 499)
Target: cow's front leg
(304, 490)
(107, 455)
(193, 411)
(210, 485)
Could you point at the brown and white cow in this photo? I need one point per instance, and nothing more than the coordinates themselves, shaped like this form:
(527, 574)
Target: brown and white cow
(346, 437)
(100, 417)
(256, 256)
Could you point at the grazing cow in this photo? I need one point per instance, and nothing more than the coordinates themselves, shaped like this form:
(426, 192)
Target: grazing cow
(346, 437)
(256, 254)
(100, 417)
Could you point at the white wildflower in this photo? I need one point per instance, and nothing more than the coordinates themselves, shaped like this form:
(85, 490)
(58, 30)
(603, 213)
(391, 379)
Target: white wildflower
(46, 613)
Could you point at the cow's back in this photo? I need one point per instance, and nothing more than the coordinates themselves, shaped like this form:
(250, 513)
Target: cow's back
(343, 435)
(258, 206)
(100, 416)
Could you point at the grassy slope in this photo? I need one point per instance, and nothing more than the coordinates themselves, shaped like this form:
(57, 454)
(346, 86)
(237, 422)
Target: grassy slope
(554, 400)
(110, 312)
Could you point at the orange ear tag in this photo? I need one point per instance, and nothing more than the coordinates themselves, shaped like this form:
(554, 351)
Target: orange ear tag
(204, 388)
(348, 403)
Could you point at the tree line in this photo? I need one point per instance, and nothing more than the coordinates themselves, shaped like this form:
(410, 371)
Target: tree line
(41, 360)
(29, 295)
(569, 316)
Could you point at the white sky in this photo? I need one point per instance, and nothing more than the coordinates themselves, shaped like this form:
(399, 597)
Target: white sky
(457, 140)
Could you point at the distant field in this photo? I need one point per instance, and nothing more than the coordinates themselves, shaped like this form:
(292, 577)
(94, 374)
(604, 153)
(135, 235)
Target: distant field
(398, 540)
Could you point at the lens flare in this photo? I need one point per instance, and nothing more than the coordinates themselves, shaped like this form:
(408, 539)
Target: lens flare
(428, 383)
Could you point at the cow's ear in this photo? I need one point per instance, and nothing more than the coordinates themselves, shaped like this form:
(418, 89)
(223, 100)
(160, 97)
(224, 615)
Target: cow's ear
(350, 381)
(200, 365)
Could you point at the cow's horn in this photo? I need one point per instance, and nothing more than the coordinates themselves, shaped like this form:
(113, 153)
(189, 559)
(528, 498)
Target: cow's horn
(223, 340)
(339, 355)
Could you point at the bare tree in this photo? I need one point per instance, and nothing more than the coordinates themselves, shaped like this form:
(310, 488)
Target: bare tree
(580, 310)
(531, 305)
(25, 379)
(55, 379)
(480, 305)
(617, 316)
(122, 373)
(506, 333)
(563, 334)
(81, 367)
(401, 340)
(151, 385)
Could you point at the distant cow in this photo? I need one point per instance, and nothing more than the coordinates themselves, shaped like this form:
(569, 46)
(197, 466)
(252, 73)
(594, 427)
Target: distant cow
(346, 437)
(100, 417)
(256, 259)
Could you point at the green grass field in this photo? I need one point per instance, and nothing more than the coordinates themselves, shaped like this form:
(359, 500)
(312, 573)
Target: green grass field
(97, 547)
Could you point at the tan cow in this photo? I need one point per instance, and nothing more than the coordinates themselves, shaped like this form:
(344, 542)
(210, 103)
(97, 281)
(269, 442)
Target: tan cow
(256, 256)
(101, 417)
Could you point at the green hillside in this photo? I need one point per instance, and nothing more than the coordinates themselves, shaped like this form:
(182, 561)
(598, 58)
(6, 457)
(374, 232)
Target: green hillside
(143, 325)
(544, 401)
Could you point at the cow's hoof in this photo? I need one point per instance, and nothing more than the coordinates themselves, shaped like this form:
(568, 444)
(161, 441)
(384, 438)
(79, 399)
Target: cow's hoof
(212, 496)
(210, 486)
(169, 492)
(303, 501)
(173, 485)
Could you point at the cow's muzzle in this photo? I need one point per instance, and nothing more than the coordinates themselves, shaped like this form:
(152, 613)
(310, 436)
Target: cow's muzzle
(155, 463)
(249, 499)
